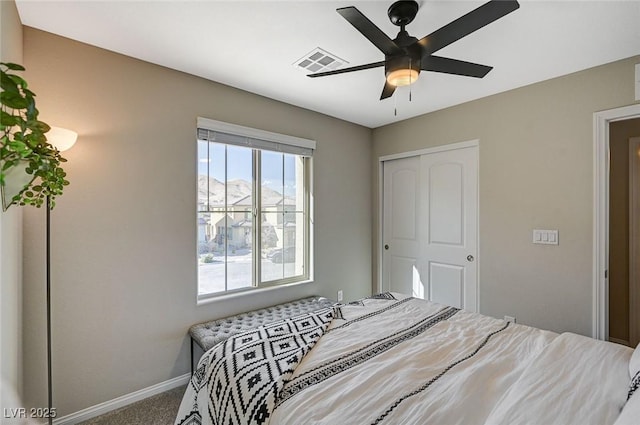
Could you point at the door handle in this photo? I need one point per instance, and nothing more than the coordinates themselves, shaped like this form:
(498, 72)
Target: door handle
(386, 246)
(470, 258)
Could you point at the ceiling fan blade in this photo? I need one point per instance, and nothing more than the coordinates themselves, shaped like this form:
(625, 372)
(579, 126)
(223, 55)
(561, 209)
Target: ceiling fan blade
(387, 91)
(350, 69)
(454, 66)
(465, 25)
(370, 30)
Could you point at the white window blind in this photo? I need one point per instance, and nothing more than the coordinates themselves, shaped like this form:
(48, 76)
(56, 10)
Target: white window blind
(231, 134)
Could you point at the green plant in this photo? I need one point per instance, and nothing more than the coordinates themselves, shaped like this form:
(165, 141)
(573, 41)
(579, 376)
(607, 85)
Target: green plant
(207, 259)
(23, 141)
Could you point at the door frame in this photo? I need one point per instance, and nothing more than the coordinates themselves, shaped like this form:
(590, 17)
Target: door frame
(600, 304)
(425, 151)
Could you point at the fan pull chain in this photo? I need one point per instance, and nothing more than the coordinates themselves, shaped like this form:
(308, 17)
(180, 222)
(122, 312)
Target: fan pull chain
(395, 106)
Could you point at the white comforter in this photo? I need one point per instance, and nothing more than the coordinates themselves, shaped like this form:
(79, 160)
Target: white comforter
(575, 380)
(408, 361)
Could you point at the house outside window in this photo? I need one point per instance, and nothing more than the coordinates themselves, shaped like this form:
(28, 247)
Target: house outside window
(253, 208)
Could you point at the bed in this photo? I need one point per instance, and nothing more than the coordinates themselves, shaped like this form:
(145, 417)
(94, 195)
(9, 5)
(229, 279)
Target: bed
(394, 359)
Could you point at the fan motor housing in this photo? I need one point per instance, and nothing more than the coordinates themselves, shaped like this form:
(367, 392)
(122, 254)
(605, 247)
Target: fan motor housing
(402, 12)
(393, 63)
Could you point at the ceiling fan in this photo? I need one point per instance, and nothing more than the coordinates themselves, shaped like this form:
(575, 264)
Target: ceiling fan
(405, 56)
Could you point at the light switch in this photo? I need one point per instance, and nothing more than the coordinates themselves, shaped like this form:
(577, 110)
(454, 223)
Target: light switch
(545, 237)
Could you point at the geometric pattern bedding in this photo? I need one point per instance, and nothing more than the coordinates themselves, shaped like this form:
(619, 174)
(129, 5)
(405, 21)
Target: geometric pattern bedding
(239, 379)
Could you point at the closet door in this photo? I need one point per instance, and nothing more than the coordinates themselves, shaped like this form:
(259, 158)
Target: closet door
(449, 209)
(401, 250)
(430, 209)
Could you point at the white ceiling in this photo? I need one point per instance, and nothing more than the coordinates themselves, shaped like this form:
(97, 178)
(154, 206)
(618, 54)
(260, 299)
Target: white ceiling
(253, 46)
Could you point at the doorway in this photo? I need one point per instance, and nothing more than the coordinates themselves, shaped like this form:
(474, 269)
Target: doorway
(429, 224)
(624, 184)
(611, 322)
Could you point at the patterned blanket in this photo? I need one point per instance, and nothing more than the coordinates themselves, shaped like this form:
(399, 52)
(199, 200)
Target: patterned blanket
(241, 378)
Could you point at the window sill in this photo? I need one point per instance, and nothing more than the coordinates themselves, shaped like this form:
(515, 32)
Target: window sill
(240, 293)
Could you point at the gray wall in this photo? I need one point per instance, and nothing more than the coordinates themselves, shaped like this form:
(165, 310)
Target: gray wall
(124, 233)
(536, 172)
(10, 238)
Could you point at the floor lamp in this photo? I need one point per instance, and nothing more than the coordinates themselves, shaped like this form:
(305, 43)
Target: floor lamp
(48, 278)
(62, 139)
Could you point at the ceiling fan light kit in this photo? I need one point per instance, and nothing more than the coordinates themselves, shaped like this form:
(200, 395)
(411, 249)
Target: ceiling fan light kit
(402, 77)
(405, 56)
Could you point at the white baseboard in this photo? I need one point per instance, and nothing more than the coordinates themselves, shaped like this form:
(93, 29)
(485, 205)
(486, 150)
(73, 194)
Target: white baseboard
(116, 403)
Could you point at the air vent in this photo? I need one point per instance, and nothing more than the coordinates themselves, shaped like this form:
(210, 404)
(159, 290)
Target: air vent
(319, 60)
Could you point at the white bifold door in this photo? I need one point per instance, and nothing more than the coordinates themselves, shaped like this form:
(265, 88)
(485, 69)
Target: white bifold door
(429, 226)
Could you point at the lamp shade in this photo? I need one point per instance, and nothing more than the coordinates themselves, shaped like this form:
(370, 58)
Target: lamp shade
(61, 138)
(402, 77)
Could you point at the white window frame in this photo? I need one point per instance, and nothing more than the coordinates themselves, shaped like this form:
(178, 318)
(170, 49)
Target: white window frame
(276, 143)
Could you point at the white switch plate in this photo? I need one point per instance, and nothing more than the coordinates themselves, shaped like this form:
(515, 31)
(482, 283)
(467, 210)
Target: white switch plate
(545, 237)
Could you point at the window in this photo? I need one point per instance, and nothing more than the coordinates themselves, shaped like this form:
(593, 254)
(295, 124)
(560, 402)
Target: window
(253, 208)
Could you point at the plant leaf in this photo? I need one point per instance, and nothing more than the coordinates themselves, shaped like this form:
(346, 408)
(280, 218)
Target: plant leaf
(13, 100)
(39, 126)
(7, 119)
(7, 83)
(19, 81)
(13, 66)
